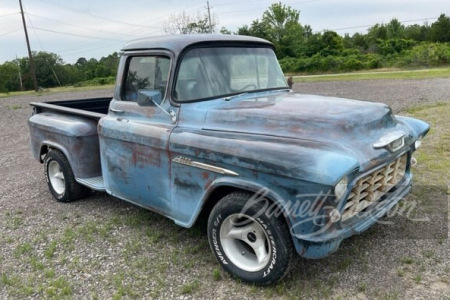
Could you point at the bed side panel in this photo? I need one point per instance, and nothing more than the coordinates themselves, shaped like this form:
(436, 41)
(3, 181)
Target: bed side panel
(75, 136)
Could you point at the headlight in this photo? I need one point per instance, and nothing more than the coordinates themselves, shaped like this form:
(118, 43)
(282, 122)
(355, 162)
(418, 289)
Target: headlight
(341, 187)
(418, 143)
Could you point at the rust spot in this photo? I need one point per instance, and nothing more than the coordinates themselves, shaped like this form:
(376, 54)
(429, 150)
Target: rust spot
(141, 156)
(208, 184)
(205, 175)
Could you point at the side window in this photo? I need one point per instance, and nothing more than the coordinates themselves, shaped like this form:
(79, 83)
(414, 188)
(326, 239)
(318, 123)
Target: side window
(145, 73)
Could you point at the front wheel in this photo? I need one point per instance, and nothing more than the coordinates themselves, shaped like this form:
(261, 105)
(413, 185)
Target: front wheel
(250, 245)
(60, 179)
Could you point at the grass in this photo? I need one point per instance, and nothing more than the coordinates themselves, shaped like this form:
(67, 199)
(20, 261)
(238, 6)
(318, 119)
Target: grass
(407, 260)
(378, 74)
(190, 287)
(56, 90)
(434, 155)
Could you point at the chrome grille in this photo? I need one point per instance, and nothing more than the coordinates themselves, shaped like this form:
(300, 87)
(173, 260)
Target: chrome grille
(370, 188)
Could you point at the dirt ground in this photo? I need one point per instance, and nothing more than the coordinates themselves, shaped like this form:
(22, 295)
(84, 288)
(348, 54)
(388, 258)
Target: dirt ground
(104, 248)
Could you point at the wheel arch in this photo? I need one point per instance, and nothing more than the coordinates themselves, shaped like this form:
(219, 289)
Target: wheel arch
(47, 146)
(223, 188)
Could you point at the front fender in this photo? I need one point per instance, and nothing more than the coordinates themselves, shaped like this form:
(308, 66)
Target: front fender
(191, 213)
(418, 128)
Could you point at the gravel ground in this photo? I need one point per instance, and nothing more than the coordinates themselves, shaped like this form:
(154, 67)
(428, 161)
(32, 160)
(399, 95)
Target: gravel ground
(398, 94)
(102, 248)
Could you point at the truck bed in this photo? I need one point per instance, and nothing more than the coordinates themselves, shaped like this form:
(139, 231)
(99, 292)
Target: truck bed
(94, 108)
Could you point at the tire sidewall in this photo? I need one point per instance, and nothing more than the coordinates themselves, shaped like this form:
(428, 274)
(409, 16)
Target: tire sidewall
(270, 272)
(64, 195)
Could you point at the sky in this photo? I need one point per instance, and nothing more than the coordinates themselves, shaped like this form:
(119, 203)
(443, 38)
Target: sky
(97, 28)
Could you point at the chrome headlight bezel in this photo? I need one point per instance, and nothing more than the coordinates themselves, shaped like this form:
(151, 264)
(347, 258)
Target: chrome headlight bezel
(340, 189)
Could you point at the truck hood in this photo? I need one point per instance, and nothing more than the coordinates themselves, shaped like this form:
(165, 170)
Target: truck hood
(300, 116)
(346, 126)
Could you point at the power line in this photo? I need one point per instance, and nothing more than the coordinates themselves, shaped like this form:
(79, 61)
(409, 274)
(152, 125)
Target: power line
(11, 14)
(81, 12)
(253, 8)
(12, 31)
(75, 34)
(34, 29)
(68, 24)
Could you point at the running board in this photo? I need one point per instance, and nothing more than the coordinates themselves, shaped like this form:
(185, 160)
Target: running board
(95, 183)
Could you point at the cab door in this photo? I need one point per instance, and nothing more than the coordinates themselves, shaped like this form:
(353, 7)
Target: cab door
(134, 139)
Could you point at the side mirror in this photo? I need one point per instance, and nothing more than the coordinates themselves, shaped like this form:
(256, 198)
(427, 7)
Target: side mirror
(149, 97)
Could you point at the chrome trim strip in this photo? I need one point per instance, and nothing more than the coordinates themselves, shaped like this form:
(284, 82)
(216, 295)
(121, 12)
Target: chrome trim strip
(196, 164)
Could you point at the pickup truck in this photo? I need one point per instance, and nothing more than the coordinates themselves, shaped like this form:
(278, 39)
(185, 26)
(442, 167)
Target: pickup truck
(206, 127)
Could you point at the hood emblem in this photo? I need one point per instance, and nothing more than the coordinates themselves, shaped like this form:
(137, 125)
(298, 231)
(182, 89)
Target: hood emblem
(393, 141)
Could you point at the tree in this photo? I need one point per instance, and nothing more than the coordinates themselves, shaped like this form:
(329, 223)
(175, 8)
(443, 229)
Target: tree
(183, 23)
(224, 30)
(9, 77)
(47, 65)
(81, 61)
(280, 25)
(440, 30)
(417, 32)
(377, 32)
(360, 41)
(332, 43)
(395, 29)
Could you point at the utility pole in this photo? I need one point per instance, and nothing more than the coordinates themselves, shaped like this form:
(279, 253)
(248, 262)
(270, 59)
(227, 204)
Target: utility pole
(20, 74)
(32, 67)
(209, 17)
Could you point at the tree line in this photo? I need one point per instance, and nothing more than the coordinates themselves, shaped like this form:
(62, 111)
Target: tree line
(298, 48)
(51, 71)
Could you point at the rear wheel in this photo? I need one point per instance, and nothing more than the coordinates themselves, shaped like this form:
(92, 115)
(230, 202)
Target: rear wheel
(250, 245)
(60, 179)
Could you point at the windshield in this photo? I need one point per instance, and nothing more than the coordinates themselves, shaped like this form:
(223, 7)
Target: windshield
(224, 71)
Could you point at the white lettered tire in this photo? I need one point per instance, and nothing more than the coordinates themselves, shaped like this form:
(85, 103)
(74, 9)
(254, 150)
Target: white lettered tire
(60, 179)
(249, 243)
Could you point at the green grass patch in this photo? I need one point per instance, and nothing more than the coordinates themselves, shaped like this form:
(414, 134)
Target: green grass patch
(378, 74)
(407, 260)
(190, 287)
(434, 155)
(59, 90)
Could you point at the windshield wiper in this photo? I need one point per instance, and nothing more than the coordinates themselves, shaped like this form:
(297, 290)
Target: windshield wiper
(234, 96)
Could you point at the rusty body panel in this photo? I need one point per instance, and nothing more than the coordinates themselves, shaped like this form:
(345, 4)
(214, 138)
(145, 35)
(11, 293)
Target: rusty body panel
(170, 157)
(75, 136)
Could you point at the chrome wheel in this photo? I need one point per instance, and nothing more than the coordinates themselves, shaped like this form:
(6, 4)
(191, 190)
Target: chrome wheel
(56, 177)
(245, 242)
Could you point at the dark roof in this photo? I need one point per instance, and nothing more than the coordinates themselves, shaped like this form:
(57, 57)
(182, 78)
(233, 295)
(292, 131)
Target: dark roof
(176, 43)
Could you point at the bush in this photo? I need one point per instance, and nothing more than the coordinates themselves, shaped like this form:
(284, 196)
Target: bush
(96, 81)
(352, 63)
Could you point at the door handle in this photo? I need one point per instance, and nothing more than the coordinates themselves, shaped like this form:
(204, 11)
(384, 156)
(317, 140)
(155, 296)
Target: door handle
(118, 111)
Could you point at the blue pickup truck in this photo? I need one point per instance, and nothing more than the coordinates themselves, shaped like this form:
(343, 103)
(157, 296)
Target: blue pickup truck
(206, 127)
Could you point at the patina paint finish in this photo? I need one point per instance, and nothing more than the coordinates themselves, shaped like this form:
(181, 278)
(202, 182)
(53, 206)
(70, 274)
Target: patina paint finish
(294, 147)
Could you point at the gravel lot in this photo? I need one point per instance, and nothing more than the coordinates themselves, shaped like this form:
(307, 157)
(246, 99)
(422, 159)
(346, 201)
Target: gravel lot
(103, 248)
(398, 94)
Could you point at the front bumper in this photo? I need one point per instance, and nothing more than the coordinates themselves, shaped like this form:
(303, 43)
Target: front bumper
(325, 242)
